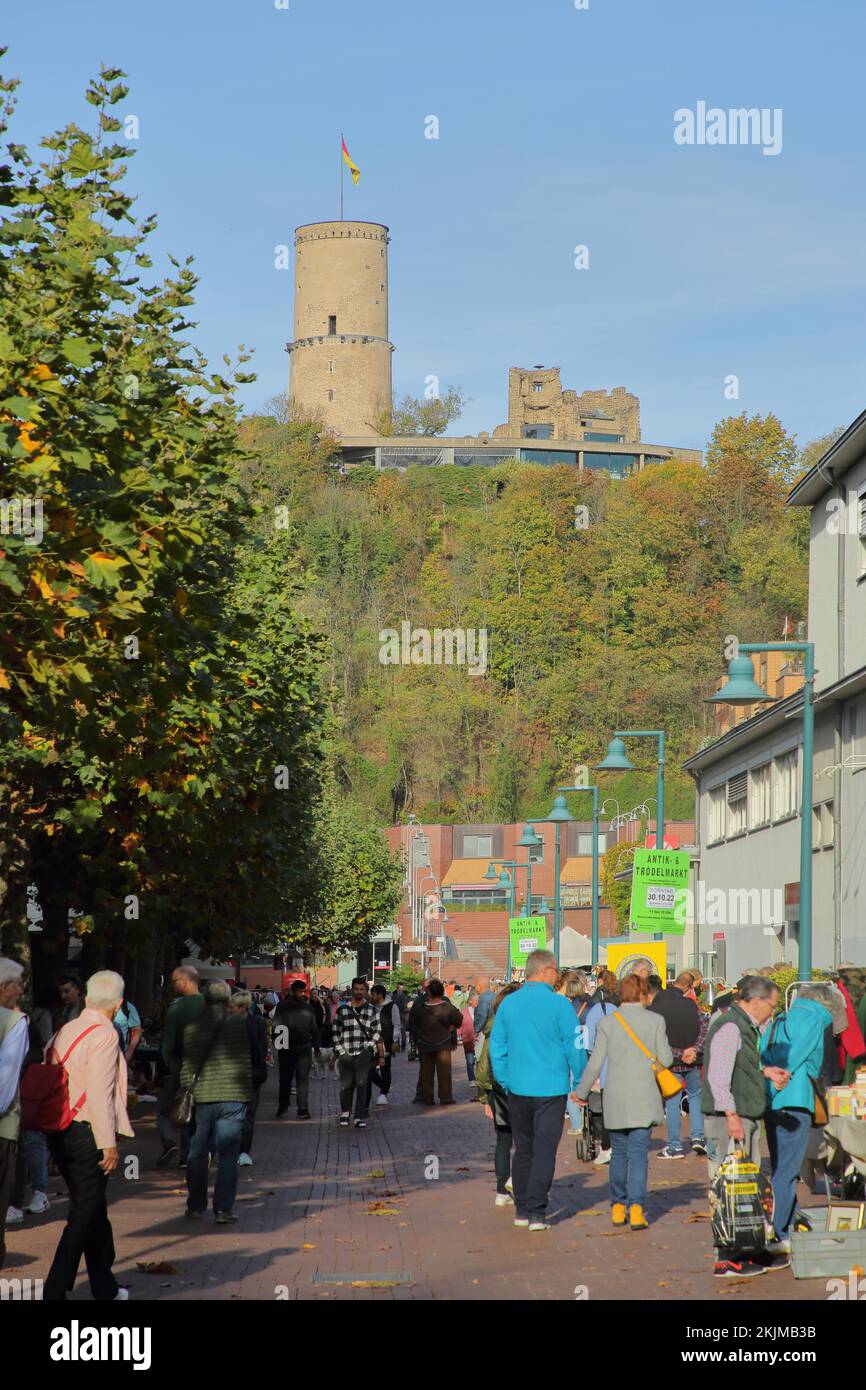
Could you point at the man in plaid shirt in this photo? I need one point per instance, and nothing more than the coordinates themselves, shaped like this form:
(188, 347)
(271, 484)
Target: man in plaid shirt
(357, 1036)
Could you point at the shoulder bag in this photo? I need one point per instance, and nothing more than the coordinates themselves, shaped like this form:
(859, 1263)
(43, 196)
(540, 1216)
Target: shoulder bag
(181, 1110)
(668, 1083)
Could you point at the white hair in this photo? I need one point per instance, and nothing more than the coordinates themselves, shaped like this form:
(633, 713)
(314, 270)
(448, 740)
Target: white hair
(104, 989)
(10, 971)
(217, 992)
(241, 999)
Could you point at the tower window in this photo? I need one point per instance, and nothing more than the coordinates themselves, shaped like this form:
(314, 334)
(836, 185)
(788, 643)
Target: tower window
(332, 324)
(536, 386)
(330, 366)
(330, 395)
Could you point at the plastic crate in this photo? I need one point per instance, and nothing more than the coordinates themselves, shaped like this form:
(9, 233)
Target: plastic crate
(826, 1254)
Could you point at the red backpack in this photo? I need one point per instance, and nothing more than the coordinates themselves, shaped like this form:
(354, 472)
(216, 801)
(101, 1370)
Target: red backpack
(45, 1092)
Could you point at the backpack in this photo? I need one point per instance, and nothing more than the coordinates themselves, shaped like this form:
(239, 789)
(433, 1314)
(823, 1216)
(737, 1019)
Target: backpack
(45, 1092)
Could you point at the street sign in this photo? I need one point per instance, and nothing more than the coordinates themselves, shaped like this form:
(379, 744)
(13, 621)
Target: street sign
(658, 891)
(527, 934)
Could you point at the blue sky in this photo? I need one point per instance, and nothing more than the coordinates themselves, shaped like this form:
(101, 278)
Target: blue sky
(556, 129)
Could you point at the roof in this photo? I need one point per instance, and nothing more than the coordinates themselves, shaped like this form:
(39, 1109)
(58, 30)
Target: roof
(765, 721)
(468, 873)
(577, 869)
(848, 448)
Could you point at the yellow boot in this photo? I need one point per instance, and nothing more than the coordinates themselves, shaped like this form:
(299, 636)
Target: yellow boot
(618, 1214)
(636, 1218)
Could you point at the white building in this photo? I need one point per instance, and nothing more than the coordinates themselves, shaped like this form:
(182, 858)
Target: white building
(748, 781)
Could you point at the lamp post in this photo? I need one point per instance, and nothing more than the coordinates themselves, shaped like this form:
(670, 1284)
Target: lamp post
(594, 791)
(509, 881)
(743, 689)
(558, 815)
(617, 760)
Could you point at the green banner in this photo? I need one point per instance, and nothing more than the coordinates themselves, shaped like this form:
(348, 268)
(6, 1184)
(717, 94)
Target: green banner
(658, 891)
(526, 934)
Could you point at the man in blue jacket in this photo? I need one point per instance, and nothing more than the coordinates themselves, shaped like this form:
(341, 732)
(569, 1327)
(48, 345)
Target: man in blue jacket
(535, 1057)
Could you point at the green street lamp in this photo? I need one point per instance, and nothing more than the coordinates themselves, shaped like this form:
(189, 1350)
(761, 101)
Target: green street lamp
(618, 761)
(558, 815)
(594, 790)
(743, 689)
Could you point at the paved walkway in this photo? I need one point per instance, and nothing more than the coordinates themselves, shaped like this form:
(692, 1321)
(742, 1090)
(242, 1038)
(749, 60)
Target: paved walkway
(327, 1213)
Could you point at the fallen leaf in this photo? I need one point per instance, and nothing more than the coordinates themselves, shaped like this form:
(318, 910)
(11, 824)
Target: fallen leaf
(375, 1173)
(699, 1216)
(155, 1267)
(374, 1283)
(308, 1247)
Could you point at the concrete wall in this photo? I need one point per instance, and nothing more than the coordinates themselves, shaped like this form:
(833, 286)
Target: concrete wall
(835, 552)
(342, 376)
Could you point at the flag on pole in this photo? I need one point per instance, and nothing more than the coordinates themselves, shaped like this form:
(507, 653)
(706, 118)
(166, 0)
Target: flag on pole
(355, 171)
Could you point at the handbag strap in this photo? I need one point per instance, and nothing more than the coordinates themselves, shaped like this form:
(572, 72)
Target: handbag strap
(361, 1024)
(210, 1042)
(634, 1037)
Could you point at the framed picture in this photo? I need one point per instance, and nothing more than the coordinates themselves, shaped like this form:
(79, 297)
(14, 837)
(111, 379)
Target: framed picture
(846, 1216)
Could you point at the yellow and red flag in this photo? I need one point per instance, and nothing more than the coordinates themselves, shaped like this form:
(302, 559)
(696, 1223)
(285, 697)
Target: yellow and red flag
(355, 171)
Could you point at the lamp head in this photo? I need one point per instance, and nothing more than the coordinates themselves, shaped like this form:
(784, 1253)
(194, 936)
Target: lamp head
(616, 759)
(529, 839)
(741, 687)
(559, 812)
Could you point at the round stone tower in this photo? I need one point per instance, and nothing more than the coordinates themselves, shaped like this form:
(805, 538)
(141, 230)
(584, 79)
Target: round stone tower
(340, 355)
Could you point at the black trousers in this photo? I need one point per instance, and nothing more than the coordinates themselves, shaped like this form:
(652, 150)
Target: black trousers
(8, 1164)
(88, 1230)
(382, 1078)
(354, 1073)
(536, 1123)
(250, 1121)
(295, 1064)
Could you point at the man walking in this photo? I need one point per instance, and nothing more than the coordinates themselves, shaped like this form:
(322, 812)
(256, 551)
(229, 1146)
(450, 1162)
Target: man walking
(217, 1069)
(86, 1151)
(434, 1029)
(533, 1054)
(485, 1003)
(357, 1039)
(296, 1038)
(183, 1010)
(734, 1093)
(684, 1025)
(401, 999)
(389, 1018)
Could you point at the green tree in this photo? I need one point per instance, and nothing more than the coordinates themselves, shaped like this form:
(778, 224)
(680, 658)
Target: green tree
(431, 415)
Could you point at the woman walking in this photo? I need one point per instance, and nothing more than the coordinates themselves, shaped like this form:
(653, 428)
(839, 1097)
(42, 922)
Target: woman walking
(495, 1103)
(632, 1099)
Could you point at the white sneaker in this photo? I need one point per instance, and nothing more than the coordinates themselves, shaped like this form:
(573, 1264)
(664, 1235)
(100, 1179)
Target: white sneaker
(602, 1159)
(539, 1225)
(244, 1161)
(14, 1215)
(382, 1100)
(122, 1296)
(39, 1203)
(504, 1199)
(521, 1220)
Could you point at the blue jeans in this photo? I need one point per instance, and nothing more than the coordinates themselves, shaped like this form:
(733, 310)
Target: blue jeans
(673, 1113)
(218, 1127)
(787, 1139)
(629, 1152)
(35, 1148)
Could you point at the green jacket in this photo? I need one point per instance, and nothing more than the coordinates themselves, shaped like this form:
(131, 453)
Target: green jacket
(181, 1011)
(227, 1072)
(483, 1069)
(747, 1081)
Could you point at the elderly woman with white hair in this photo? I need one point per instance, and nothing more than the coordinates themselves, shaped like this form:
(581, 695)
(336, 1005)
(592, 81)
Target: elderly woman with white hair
(13, 1047)
(795, 1041)
(86, 1151)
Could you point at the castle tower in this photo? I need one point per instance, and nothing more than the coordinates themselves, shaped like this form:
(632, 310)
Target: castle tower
(340, 355)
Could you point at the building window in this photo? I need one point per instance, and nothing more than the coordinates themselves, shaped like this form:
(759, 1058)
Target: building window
(823, 825)
(737, 798)
(785, 785)
(604, 438)
(536, 386)
(536, 856)
(584, 845)
(548, 456)
(330, 366)
(760, 781)
(332, 325)
(861, 525)
(537, 431)
(477, 847)
(618, 465)
(330, 395)
(716, 815)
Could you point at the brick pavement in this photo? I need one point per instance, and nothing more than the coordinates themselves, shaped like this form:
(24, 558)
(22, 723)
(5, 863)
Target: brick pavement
(323, 1203)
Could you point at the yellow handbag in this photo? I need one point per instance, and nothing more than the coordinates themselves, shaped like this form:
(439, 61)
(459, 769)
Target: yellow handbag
(668, 1082)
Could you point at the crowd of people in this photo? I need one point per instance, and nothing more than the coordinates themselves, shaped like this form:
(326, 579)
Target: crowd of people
(612, 1058)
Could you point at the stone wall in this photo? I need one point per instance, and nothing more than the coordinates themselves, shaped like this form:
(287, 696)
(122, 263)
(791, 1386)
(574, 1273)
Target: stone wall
(536, 397)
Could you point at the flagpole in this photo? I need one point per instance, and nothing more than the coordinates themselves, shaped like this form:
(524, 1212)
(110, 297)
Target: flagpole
(342, 161)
